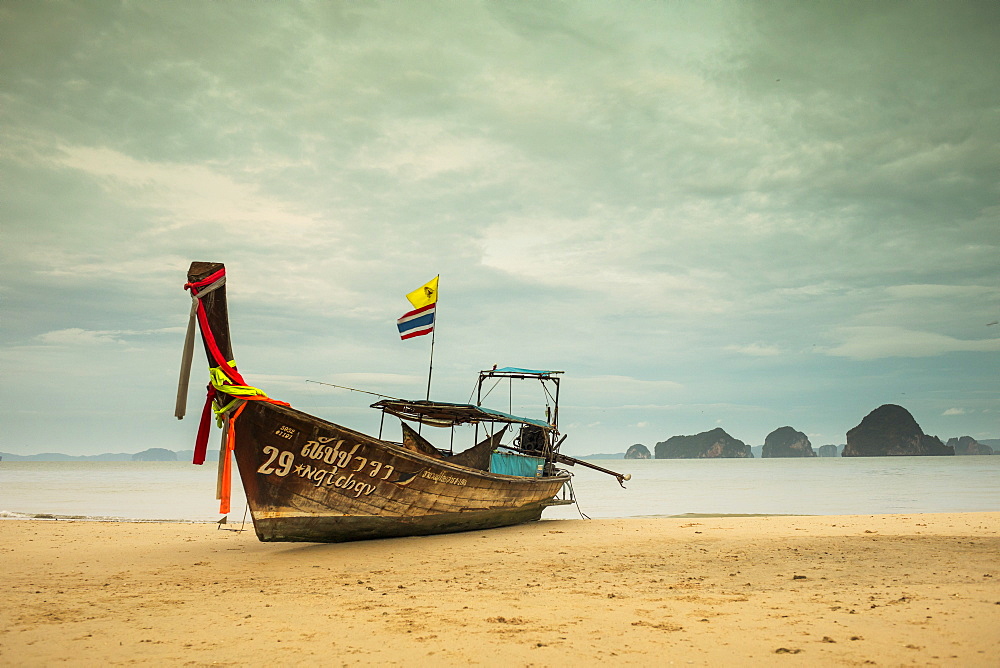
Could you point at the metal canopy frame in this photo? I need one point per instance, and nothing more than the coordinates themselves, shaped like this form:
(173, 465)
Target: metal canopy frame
(443, 414)
(549, 381)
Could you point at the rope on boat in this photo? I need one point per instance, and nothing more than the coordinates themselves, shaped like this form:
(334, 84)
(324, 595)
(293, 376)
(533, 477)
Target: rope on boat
(225, 519)
(576, 501)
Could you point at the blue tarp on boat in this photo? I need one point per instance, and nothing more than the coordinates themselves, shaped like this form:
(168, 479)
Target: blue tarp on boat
(509, 463)
(518, 370)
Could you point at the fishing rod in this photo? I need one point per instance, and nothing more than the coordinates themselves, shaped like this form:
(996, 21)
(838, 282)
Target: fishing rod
(352, 389)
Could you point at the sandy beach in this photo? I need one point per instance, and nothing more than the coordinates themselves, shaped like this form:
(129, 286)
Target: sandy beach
(886, 590)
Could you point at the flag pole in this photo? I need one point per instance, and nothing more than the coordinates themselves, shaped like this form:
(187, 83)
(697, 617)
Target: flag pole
(430, 367)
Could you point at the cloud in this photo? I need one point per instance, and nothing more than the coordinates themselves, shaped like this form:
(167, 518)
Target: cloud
(961, 307)
(756, 350)
(868, 343)
(75, 336)
(955, 411)
(422, 149)
(188, 195)
(624, 385)
(603, 256)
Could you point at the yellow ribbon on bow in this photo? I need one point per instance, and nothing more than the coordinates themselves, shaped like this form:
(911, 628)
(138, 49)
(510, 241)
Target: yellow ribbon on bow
(220, 381)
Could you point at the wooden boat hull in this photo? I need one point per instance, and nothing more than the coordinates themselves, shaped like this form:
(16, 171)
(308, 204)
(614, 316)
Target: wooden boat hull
(307, 479)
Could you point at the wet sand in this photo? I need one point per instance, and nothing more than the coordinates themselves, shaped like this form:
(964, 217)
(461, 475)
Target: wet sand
(886, 590)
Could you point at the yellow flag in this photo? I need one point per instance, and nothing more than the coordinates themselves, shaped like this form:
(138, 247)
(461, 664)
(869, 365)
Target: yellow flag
(426, 294)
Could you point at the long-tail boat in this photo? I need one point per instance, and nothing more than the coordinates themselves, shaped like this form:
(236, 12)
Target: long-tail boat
(308, 479)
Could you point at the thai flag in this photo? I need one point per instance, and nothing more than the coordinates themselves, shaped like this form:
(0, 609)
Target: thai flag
(417, 322)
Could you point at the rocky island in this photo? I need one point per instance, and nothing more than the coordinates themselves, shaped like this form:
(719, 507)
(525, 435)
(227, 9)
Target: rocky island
(638, 451)
(966, 445)
(787, 442)
(712, 444)
(889, 431)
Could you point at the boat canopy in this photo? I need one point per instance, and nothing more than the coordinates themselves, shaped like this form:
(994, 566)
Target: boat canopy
(440, 414)
(517, 371)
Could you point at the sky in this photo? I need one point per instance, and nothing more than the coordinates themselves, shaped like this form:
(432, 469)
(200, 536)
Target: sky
(741, 214)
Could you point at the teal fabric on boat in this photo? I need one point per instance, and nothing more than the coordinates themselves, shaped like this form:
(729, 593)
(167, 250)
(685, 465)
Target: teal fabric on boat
(509, 463)
(514, 369)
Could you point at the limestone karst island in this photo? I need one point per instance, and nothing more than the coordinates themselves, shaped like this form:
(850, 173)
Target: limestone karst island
(888, 431)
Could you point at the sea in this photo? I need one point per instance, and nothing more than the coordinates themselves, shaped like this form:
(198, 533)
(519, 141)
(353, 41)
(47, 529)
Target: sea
(182, 492)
